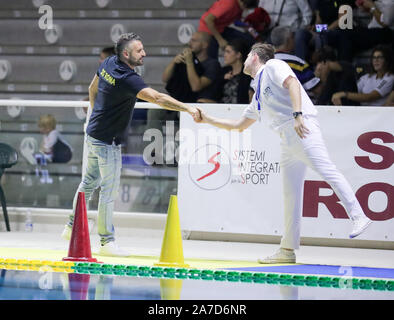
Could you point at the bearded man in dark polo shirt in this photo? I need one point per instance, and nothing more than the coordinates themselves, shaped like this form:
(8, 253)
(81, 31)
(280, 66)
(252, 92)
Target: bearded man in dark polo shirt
(112, 94)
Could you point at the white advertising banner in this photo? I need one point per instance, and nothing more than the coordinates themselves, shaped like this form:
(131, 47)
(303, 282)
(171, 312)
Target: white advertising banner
(230, 182)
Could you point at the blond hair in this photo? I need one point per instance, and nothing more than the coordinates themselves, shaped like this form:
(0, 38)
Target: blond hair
(47, 121)
(264, 51)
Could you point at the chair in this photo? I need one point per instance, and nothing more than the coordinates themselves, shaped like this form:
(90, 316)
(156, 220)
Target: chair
(8, 158)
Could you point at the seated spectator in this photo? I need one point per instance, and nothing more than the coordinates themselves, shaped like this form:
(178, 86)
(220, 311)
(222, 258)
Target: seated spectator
(234, 84)
(374, 87)
(390, 100)
(283, 40)
(216, 20)
(295, 14)
(53, 146)
(350, 42)
(192, 76)
(334, 76)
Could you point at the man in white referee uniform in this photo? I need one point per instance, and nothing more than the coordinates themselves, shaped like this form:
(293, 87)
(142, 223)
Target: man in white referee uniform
(292, 114)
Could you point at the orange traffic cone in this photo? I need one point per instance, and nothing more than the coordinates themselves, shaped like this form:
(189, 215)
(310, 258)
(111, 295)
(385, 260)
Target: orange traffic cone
(79, 249)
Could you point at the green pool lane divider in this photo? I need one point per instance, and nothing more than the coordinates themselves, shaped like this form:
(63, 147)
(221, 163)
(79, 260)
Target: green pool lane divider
(237, 276)
(200, 274)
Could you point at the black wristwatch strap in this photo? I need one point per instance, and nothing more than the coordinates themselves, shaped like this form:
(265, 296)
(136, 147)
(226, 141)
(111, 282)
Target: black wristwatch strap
(296, 114)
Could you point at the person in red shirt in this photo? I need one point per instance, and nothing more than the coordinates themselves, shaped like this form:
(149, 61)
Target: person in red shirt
(218, 17)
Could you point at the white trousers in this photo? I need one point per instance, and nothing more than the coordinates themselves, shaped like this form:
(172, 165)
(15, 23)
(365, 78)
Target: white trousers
(296, 155)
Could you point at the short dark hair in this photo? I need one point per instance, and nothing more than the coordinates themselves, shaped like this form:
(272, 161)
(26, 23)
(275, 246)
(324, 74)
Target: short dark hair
(123, 40)
(241, 46)
(249, 4)
(264, 51)
(387, 53)
(109, 51)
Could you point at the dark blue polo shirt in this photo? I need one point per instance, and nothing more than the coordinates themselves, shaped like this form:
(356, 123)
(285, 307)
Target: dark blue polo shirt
(118, 87)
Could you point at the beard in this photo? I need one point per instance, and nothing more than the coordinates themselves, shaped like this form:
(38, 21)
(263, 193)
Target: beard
(134, 62)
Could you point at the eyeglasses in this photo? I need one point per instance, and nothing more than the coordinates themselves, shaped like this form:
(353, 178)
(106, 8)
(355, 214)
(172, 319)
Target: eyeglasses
(377, 57)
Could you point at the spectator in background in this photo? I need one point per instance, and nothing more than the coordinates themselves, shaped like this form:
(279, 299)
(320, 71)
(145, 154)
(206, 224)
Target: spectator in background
(192, 75)
(390, 100)
(283, 40)
(295, 14)
(374, 87)
(53, 145)
(334, 76)
(349, 42)
(106, 52)
(326, 13)
(234, 84)
(216, 20)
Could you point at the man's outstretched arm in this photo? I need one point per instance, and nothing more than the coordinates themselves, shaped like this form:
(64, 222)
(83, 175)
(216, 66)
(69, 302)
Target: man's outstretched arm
(167, 102)
(228, 124)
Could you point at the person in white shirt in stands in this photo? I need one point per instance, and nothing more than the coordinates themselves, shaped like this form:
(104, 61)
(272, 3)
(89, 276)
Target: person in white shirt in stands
(282, 101)
(53, 145)
(296, 14)
(373, 87)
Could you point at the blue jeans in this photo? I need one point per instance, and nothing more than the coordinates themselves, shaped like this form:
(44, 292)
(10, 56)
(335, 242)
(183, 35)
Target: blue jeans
(103, 169)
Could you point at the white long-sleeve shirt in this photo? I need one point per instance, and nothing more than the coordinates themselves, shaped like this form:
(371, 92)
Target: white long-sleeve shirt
(296, 13)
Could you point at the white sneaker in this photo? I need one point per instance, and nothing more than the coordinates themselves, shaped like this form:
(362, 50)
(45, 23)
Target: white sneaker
(66, 235)
(112, 250)
(359, 226)
(281, 256)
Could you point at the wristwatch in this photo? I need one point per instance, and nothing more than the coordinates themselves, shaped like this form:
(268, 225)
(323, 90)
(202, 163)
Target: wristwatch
(296, 114)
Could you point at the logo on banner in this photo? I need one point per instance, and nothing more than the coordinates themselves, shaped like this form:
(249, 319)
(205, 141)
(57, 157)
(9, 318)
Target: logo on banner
(167, 3)
(140, 70)
(116, 31)
(210, 167)
(15, 111)
(102, 3)
(67, 70)
(52, 35)
(185, 32)
(5, 69)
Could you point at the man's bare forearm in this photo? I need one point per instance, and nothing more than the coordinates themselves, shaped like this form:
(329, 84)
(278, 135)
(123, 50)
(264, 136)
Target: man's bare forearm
(169, 103)
(228, 124)
(92, 99)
